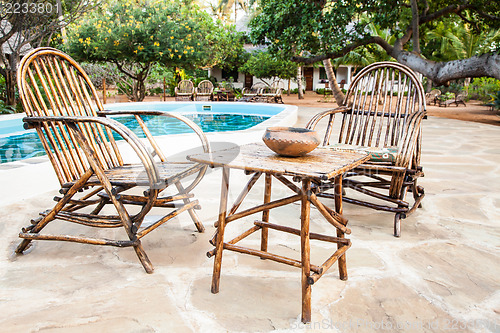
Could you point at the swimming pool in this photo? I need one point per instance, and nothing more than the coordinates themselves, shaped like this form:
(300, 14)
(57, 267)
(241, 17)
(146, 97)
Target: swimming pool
(17, 144)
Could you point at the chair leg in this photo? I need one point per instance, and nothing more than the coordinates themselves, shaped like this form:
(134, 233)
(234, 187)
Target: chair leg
(57, 208)
(191, 211)
(397, 225)
(143, 258)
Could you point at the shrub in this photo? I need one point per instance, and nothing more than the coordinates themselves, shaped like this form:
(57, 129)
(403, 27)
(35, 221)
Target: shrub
(483, 88)
(323, 91)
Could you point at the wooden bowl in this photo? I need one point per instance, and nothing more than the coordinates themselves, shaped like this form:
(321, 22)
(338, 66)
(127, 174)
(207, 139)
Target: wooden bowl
(291, 141)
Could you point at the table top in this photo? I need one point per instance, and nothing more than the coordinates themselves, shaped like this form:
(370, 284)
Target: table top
(321, 163)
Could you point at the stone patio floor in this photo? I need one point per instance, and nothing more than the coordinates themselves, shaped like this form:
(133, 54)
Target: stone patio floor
(443, 274)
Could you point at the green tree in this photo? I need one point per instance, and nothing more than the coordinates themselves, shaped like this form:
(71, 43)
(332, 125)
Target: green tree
(28, 23)
(226, 47)
(134, 34)
(264, 65)
(324, 29)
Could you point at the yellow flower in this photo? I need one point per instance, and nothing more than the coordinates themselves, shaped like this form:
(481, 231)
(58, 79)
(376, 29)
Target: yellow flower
(185, 52)
(171, 37)
(135, 51)
(140, 48)
(96, 47)
(109, 30)
(175, 51)
(180, 56)
(80, 40)
(161, 53)
(117, 42)
(156, 44)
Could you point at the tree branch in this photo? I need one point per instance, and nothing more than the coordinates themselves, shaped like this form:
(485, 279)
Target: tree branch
(369, 40)
(414, 26)
(442, 72)
(123, 70)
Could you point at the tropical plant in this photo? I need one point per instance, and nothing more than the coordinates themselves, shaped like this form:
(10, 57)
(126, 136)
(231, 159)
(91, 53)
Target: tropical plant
(483, 88)
(264, 65)
(135, 34)
(311, 31)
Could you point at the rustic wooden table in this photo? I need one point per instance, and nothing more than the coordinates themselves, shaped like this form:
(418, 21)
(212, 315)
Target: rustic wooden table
(256, 159)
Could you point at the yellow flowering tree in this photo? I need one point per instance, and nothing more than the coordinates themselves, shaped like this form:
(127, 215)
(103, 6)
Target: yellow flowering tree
(135, 34)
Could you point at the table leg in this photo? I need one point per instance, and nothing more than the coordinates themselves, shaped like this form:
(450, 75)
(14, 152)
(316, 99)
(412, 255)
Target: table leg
(265, 214)
(305, 250)
(220, 230)
(338, 208)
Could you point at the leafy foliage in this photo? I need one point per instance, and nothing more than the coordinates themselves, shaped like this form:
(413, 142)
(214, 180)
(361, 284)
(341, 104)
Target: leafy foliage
(265, 65)
(483, 88)
(309, 31)
(135, 34)
(167, 32)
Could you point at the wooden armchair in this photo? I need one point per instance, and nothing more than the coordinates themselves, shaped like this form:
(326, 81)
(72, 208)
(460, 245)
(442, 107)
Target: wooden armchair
(184, 91)
(98, 189)
(382, 113)
(204, 91)
(432, 97)
(272, 93)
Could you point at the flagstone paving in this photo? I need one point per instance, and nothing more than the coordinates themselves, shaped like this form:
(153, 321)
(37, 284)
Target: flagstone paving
(443, 274)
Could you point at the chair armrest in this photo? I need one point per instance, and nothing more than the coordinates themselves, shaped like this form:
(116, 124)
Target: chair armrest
(317, 117)
(331, 114)
(199, 132)
(190, 123)
(146, 159)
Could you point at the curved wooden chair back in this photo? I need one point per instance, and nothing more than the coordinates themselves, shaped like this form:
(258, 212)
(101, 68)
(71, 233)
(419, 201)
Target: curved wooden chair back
(52, 84)
(381, 98)
(432, 96)
(255, 89)
(275, 88)
(185, 87)
(205, 87)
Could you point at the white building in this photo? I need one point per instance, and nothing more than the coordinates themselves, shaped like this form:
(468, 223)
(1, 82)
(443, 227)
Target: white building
(314, 78)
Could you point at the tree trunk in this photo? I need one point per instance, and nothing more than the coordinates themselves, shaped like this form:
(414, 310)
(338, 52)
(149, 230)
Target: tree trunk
(336, 91)
(299, 82)
(10, 87)
(428, 87)
(9, 73)
(289, 86)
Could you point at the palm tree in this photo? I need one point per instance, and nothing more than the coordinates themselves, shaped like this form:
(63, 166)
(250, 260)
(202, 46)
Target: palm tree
(451, 41)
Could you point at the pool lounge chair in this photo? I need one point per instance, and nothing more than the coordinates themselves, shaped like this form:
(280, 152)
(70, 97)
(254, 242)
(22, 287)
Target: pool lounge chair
(98, 188)
(432, 97)
(254, 93)
(382, 113)
(272, 93)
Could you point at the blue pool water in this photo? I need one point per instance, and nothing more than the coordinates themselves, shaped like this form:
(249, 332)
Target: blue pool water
(17, 144)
